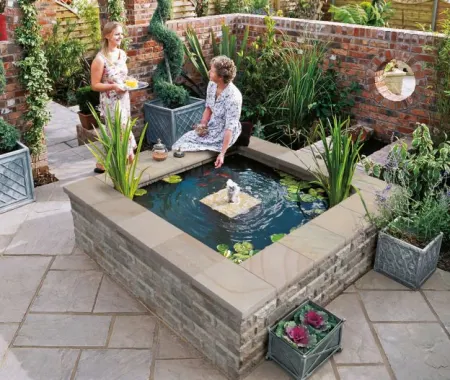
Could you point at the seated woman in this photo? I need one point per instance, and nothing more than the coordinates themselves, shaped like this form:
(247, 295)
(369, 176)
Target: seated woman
(221, 115)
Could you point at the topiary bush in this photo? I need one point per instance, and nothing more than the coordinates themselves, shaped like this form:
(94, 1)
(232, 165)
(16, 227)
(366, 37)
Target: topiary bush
(9, 136)
(2, 77)
(86, 96)
(169, 69)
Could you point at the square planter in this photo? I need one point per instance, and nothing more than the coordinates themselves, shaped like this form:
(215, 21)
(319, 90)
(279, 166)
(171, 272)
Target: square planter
(170, 124)
(16, 179)
(404, 262)
(302, 365)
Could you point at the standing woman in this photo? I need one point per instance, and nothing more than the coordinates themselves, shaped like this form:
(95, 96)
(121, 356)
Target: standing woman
(108, 73)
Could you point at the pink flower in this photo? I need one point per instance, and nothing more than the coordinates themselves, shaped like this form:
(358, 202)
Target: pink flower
(314, 319)
(298, 334)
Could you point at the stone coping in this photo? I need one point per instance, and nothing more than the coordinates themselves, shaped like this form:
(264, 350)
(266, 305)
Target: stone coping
(245, 288)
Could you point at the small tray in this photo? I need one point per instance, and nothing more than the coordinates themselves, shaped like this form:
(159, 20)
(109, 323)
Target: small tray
(140, 86)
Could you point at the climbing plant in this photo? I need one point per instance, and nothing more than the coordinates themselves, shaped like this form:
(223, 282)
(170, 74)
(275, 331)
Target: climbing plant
(2, 77)
(33, 75)
(172, 96)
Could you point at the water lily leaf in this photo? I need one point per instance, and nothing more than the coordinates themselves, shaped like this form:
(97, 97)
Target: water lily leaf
(292, 197)
(247, 245)
(318, 211)
(276, 237)
(241, 256)
(307, 198)
(140, 192)
(238, 247)
(222, 248)
(289, 181)
(312, 192)
(293, 189)
(228, 253)
(320, 190)
(172, 179)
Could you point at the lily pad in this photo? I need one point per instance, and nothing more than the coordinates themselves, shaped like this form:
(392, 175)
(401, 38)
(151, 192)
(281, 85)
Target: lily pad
(308, 198)
(140, 192)
(172, 179)
(276, 237)
(222, 248)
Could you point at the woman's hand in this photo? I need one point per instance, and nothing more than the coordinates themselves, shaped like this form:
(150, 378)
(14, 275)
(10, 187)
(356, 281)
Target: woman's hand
(219, 161)
(118, 89)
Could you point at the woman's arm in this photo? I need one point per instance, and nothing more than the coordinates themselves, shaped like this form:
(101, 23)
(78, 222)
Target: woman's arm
(206, 116)
(96, 78)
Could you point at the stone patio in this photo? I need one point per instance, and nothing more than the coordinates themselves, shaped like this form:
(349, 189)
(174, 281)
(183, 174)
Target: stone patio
(61, 318)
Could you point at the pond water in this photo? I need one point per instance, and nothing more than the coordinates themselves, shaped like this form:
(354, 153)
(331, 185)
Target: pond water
(282, 206)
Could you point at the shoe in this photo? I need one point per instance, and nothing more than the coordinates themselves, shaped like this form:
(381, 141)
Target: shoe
(99, 171)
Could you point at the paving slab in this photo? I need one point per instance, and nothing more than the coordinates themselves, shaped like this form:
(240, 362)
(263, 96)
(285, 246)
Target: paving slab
(79, 261)
(376, 281)
(401, 306)
(114, 365)
(7, 331)
(49, 330)
(133, 332)
(68, 291)
(416, 351)
(187, 369)
(440, 280)
(358, 343)
(440, 302)
(39, 364)
(171, 346)
(364, 373)
(19, 281)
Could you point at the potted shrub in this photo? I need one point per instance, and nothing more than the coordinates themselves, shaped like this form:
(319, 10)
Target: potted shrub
(174, 112)
(305, 339)
(16, 187)
(3, 31)
(413, 212)
(86, 96)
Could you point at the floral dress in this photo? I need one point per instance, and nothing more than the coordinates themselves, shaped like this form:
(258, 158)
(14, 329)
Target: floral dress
(117, 73)
(226, 112)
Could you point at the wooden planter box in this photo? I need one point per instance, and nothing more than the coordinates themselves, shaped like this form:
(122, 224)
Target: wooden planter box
(404, 262)
(299, 365)
(16, 179)
(170, 124)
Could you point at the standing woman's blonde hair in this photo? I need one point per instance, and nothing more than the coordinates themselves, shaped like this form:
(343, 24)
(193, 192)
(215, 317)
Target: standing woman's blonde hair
(107, 29)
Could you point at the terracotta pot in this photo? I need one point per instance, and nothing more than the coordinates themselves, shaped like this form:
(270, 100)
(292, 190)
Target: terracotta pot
(3, 32)
(87, 120)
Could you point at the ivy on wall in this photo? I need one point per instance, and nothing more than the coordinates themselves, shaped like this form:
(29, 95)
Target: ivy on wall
(33, 75)
(2, 77)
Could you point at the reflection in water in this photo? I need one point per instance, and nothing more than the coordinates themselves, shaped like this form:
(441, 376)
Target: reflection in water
(180, 204)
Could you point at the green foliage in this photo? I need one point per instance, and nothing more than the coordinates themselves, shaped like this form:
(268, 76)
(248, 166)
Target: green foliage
(307, 9)
(340, 156)
(169, 69)
(64, 55)
(2, 6)
(242, 251)
(113, 153)
(90, 14)
(200, 6)
(276, 237)
(228, 47)
(2, 77)
(418, 169)
(375, 13)
(292, 103)
(9, 136)
(232, 6)
(172, 179)
(85, 96)
(33, 75)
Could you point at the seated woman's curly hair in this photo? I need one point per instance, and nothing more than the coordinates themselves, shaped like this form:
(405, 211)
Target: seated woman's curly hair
(225, 67)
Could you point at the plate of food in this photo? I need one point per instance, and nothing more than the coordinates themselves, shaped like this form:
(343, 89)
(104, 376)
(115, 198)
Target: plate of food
(132, 84)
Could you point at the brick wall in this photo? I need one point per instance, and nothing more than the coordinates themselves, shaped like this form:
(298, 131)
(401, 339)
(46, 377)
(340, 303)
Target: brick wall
(359, 53)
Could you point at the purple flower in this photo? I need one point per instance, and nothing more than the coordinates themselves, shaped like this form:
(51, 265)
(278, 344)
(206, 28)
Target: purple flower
(299, 335)
(314, 319)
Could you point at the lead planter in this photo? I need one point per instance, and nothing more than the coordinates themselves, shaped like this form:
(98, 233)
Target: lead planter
(170, 124)
(16, 179)
(301, 363)
(404, 262)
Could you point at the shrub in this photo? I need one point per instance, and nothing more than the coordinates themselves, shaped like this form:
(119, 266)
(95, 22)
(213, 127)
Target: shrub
(86, 96)
(171, 95)
(375, 13)
(9, 136)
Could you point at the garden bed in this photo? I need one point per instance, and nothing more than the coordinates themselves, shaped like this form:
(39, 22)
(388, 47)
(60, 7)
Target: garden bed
(220, 307)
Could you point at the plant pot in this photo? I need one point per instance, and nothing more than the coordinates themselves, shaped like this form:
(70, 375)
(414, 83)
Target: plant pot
(170, 124)
(3, 31)
(16, 185)
(87, 120)
(301, 366)
(404, 262)
(244, 137)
